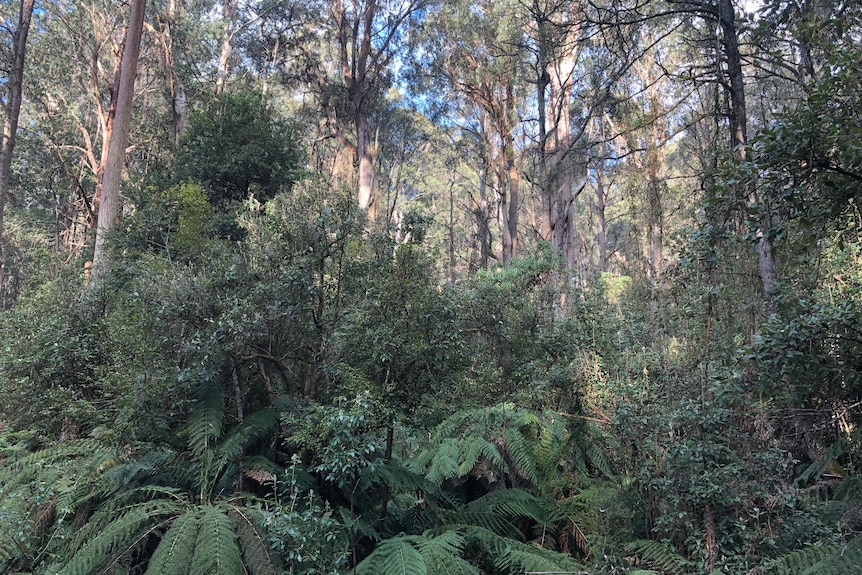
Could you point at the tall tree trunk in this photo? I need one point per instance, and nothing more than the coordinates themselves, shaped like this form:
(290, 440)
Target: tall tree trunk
(109, 208)
(175, 92)
(365, 157)
(225, 42)
(739, 140)
(355, 60)
(15, 84)
(601, 216)
(513, 177)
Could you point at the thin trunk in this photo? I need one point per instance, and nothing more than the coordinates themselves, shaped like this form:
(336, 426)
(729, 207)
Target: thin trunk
(484, 231)
(503, 210)
(15, 83)
(452, 232)
(109, 208)
(226, 38)
(387, 458)
(601, 217)
(175, 92)
(513, 178)
(739, 140)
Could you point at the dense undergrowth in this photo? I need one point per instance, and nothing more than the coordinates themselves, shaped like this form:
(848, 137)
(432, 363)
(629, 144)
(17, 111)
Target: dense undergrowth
(303, 398)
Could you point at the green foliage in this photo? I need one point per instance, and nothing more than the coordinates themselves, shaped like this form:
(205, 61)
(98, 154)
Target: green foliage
(237, 145)
(177, 221)
(340, 439)
(662, 557)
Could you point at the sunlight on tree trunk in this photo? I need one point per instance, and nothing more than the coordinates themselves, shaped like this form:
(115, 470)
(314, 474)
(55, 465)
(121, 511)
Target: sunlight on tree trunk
(109, 208)
(14, 91)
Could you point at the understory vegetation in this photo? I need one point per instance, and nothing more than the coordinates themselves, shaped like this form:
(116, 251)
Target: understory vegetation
(420, 318)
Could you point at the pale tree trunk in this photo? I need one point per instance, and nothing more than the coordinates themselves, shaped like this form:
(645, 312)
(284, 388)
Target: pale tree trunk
(739, 139)
(106, 123)
(355, 54)
(508, 176)
(601, 217)
(562, 218)
(513, 177)
(109, 208)
(365, 157)
(175, 93)
(225, 42)
(15, 84)
(452, 276)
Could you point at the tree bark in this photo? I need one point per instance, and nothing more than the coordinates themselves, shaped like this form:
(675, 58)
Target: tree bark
(15, 84)
(739, 140)
(226, 36)
(109, 208)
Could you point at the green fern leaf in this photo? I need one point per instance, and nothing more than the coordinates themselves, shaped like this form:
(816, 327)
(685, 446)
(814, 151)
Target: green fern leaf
(661, 556)
(256, 555)
(798, 561)
(442, 554)
(444, 462)
(395, 556)
(174, 554)
(514, 557)
(119, 537)
(217, 551)
(846, 560)
(206, 424)
(253, 427)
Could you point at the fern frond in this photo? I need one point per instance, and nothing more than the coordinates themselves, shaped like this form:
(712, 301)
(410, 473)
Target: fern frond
(253, 427)
(400, 479)
(661, 556)
(443, 554)
(395, 556)
(514, 557)
(443, 462)
(174, 554)
(119, 537)
(846, 560)
(256, 555)
(217, 551)
(34, 466)
(514, 503)
(520, 449)
(114, 509)
(207, 421)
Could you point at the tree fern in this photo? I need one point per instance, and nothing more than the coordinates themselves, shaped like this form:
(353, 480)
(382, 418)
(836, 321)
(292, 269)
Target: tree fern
(846, 560)
(394, 556)
(523, 454)
(120, 537)
(512, 441)
(257, 557)
(443, 554)
(176, 548)
(515, 557)
(217, 549)
(207, 421)
(661, 556)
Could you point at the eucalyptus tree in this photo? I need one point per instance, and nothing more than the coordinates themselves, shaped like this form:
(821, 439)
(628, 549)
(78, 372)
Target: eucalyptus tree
(109, 207)
(475, 49)
(12, 108)
(555, 38)
(345, 53)
(70, 107)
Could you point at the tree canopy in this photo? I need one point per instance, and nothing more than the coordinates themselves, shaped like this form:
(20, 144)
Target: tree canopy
(431, 287)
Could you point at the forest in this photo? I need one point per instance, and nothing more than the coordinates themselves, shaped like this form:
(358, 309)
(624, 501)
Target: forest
(426, 287)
